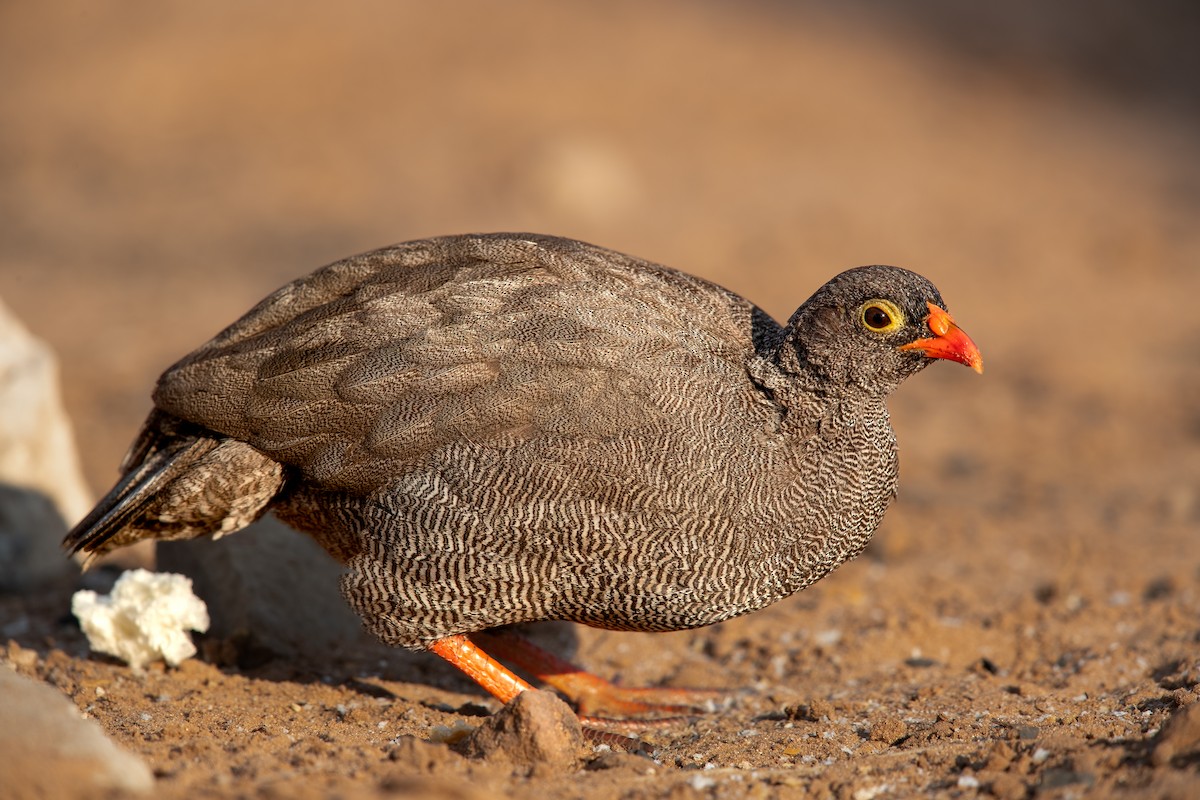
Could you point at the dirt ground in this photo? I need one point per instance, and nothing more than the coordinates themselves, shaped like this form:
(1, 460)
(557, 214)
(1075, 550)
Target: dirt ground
(1027, 619)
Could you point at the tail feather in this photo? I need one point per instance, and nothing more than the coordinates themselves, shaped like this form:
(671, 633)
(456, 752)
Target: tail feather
(179, 481)
(130, 498)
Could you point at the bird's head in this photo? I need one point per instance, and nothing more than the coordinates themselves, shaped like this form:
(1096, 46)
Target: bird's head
(873, 327)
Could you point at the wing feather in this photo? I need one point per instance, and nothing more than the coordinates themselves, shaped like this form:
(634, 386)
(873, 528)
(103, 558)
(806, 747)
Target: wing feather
(396, 353)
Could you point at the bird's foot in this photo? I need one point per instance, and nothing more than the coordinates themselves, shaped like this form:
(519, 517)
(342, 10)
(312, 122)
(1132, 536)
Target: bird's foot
(595, 697)
(634, 710)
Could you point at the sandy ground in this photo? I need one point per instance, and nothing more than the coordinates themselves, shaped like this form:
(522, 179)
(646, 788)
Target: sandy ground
(1025, 622)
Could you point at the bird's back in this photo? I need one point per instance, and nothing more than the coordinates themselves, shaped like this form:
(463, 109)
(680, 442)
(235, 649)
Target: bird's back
(371, 365)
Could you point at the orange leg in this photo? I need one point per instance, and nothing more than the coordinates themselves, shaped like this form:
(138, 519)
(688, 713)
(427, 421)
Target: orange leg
(590, 693)
(504, 686)
(480, 667)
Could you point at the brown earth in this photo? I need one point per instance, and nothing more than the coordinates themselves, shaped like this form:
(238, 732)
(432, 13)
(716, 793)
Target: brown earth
(1026, 622)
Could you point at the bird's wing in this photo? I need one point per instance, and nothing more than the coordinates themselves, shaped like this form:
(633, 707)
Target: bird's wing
(497, 338)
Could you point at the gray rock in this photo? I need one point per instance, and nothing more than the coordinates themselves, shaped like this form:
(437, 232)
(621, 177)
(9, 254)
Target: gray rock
(271, 592)
(41, 484)
(50, 751)
(30, 530)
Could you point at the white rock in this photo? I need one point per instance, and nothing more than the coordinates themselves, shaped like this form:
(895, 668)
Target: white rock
(43, 486)
(49, 751)
(146, 617)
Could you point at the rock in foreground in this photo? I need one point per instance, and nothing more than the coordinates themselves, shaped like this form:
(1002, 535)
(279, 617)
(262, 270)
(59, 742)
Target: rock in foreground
(49, 751)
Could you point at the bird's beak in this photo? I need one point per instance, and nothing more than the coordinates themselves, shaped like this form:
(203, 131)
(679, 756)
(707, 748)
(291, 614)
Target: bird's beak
(948, 341)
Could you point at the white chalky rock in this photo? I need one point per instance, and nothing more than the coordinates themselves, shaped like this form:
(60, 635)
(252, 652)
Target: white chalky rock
(146, 617)
(41, 485)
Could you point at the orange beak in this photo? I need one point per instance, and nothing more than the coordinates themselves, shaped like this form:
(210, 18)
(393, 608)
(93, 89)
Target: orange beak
(948, 341)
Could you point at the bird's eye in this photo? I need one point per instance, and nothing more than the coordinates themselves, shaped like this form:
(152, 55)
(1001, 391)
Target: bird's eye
(881, 316)
(877, 318)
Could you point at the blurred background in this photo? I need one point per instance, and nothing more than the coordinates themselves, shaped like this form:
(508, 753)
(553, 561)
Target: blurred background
(166, 164)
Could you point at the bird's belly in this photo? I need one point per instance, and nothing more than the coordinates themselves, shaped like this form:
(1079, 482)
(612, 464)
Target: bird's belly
(451, 568)
(617, 540)
(617, 537)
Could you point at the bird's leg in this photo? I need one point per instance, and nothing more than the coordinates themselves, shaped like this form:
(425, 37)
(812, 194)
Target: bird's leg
(591, 694)
(480, 667)
(502, 684)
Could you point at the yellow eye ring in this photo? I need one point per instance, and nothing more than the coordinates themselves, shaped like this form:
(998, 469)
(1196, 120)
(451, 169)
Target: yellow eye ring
(881, 316)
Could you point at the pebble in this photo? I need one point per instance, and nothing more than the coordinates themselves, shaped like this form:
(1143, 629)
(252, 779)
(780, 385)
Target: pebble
(423, 757)
(888, 730)
(1179, 736)
(535, 729)
(1028, 732)
(609, 759)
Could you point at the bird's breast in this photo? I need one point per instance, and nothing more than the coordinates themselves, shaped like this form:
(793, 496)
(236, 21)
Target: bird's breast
(627, 532)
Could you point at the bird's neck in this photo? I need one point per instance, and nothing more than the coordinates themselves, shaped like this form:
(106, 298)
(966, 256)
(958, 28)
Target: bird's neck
(806, 394)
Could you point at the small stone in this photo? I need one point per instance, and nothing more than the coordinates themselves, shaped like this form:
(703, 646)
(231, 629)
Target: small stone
(920, 662)
(1006, 787)
(422, 757)
(888, 730)
(1159, 588)
(612, 759)
(812, 711)
(1059, 777)
(1179, 736)
(536, 728)
(450, 734)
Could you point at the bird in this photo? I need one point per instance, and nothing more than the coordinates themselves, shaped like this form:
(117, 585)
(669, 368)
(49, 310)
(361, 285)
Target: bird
(488, 430)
